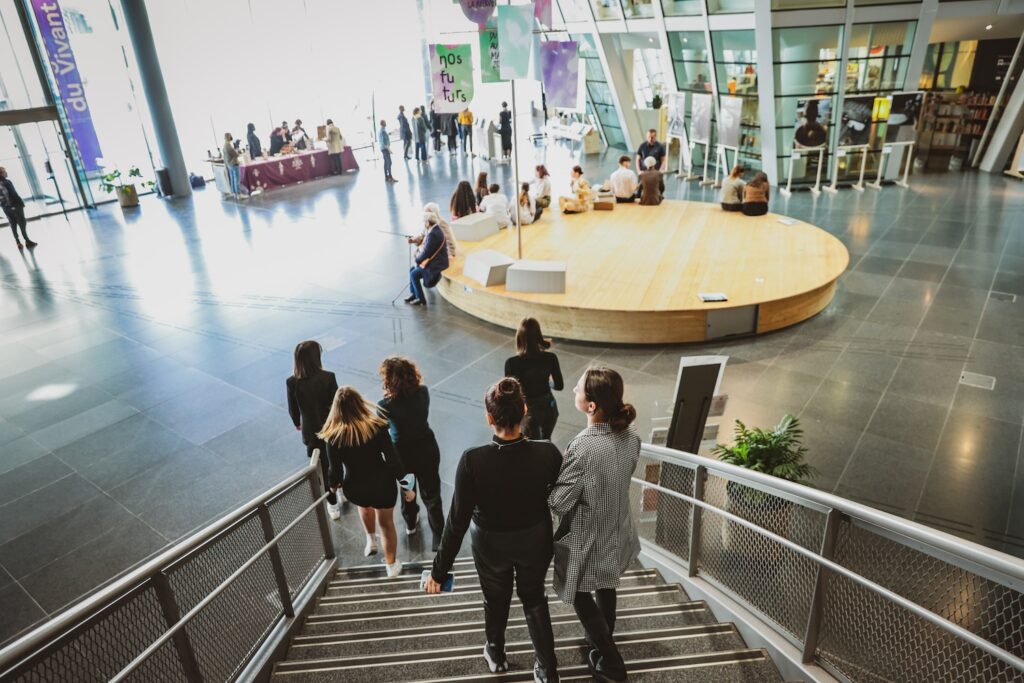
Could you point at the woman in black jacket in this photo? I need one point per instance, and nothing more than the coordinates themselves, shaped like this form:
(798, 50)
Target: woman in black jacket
(255, 149)
(538, 372)
(310, 392)
(502, 489)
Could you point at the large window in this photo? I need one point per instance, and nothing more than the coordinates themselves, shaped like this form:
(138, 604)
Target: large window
(598, 93)
(648, 76)
(605, 10)
(735, 58)
(948, 66)
(730, 6)
(19, 83)
(878, 55)
(638, 9)
(682, 8)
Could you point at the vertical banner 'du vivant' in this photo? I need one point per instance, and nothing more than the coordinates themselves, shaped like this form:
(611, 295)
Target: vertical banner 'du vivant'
(451, 72)
(57, 44)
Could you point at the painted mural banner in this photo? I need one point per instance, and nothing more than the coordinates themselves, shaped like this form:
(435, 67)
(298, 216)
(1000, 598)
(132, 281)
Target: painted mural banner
(514, 40)
(57, 47)
(490, 58)
(560, 67)
(451, 73)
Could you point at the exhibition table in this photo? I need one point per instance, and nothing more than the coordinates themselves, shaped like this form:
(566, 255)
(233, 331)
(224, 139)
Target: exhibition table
(279, 171)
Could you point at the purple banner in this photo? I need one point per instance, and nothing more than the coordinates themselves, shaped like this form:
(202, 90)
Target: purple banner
(57, 44)
(560, 66)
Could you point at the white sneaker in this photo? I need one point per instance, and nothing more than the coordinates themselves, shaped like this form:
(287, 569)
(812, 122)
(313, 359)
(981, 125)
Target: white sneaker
(334, 511)
(371, 546)
(411, 530)
(394, 569)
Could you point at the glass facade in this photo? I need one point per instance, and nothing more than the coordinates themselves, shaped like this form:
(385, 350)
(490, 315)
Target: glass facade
(599, 94)
(878, 55)
(735, 57)
(682, 8)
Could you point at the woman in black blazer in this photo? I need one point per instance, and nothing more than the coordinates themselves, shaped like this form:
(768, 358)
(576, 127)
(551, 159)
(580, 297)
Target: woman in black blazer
(311, 390)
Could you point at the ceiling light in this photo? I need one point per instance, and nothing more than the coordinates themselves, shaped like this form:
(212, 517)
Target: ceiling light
(686, 40)
(650, 40)
(989, 27)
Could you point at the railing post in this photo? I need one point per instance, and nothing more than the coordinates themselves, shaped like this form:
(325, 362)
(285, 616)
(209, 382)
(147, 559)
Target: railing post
(828, 543)
(172, 615)
(699, 476)
(275, 560)
(317, 486)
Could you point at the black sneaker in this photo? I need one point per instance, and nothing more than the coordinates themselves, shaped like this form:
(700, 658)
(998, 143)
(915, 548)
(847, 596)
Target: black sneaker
(542, 676)
(595, 662)
(416, 302)
(495, 658)
(30, 244)
(410, 299)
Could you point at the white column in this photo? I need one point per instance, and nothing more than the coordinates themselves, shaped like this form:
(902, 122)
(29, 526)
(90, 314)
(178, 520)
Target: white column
(766, 89)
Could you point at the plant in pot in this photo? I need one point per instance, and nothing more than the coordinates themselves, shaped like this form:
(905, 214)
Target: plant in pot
(776, 451)
(124, 185)
(656, 101)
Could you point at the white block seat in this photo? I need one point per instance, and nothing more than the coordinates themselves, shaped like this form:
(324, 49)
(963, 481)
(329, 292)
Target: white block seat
(474, 227)
(488, 267)
(540, 277)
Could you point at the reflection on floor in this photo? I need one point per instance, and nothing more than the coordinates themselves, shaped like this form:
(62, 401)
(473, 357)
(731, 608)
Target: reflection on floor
(143, 358)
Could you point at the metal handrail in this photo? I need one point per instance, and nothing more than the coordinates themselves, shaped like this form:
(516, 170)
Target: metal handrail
(1009, 567)
(909, 605)
(33, 642)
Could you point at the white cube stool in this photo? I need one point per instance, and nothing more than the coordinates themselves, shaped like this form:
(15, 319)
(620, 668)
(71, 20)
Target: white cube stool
(547, 277)
(474, 227)
(487, 267)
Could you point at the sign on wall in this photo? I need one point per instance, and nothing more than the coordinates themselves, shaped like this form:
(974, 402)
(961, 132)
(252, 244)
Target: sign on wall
(451, 71)
(57, 45)
(700, 118)
(560, 64)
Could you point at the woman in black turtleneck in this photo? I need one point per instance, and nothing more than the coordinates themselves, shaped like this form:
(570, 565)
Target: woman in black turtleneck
(500, 496)
(538, 372)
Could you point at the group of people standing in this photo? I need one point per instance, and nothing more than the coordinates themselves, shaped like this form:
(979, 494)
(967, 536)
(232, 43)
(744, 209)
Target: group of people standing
(506, 491)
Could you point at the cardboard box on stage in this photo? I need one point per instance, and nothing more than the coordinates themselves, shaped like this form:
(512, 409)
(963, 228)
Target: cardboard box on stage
(474, 227)
(488, 267)
(544, 277)
(604, 204)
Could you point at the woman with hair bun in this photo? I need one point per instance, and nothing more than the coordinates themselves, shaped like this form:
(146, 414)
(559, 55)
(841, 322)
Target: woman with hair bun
(596, 539)
(501, 493)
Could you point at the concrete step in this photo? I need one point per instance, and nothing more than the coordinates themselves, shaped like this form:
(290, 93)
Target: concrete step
(453, 609)
(470, 634)
(679, 643)
(374, 568)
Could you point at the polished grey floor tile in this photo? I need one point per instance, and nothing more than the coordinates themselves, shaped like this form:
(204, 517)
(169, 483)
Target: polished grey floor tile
(885, 473)
(83, 424)
(16, 453)
(19, 611)
(908, 421)
(33, 509)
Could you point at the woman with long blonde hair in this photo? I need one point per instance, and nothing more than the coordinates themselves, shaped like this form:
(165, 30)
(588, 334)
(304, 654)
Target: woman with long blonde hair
(358, 445)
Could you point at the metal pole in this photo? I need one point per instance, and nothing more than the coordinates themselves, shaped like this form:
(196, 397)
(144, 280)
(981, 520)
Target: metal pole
(828, 543)
(275, 560)
(172, 615)
(515, 173)
(699, 476)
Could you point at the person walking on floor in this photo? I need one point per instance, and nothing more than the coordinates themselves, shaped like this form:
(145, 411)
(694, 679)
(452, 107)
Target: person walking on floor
(500, 497)
(310, 392)
(436, 123)
(404, 131)
(451, 131)
(420, 133)
(538, 372)
(466, 130)
(406, 405)
(596, 539)
(14, 208)
(335, 146)
(385, 150)
(358, 445)
(231, 162)
(505, 129)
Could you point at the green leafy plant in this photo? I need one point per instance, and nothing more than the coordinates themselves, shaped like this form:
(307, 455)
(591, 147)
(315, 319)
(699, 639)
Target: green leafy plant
(115, 180)
(776, 451)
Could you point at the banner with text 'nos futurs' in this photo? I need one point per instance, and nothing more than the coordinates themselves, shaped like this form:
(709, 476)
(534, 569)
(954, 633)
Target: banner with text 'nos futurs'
(451, 70)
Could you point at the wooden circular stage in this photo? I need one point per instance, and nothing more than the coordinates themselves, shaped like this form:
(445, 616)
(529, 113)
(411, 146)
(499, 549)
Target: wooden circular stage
(633, 274)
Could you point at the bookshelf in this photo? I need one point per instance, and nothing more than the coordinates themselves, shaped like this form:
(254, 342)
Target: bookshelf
(952, 125)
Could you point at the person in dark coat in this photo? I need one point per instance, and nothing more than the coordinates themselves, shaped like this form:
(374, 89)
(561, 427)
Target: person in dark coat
(505, 130)
(14, 208)
(651, 188)
(277, 141)
(436, 123)
(431, 260)
(310, 392)
(404, 131)
(451, 131)
(538, 372)
(255, 148)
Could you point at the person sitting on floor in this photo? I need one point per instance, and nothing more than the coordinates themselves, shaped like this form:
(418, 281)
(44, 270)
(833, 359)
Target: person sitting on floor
(583, 195)
(652, 184)
(495, 204)
(624, 181)
(732, 190)
(755, 196)
(463, 202)
(527, 207)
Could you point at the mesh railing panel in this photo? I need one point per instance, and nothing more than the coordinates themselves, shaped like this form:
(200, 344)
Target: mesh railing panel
(869, 638)
(302, 548)
(163, 666)
(661, 518)
(106, 645)
(776, 581)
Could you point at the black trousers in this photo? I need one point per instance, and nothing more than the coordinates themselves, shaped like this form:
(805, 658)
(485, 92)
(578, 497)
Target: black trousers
(16, 217)
(335, 160)
(522, 557)
(332, 498)
(422, 457)
(755, 208)
(598, 619)
(540, 419)
(406, 143)
(732, 207)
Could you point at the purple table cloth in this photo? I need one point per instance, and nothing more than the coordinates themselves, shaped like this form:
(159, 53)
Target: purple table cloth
(268, 174)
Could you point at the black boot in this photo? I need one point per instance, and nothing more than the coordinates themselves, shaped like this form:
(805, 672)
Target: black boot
(603, 673)
(604, 659)
(538, 623)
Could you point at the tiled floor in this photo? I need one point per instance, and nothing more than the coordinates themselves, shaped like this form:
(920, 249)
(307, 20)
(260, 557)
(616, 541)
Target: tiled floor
(143, 358)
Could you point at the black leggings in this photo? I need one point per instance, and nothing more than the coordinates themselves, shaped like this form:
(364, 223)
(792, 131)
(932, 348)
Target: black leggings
(540, 419)
(422, 458)
(16, 216)
(598, 619)
(732, 207)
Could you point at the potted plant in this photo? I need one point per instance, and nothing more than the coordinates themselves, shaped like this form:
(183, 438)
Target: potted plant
(776, 451)
(656, 101)
(124, 185)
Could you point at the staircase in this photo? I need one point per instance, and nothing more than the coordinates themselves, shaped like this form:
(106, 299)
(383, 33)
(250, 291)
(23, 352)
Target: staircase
(367, 628)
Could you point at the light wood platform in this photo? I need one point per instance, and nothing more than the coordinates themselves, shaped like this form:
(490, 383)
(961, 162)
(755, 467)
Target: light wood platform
(634, 273)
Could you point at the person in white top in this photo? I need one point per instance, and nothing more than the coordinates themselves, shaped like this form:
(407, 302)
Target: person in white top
(624, 181)
(540, 187)
(527, 207)
(496, 204)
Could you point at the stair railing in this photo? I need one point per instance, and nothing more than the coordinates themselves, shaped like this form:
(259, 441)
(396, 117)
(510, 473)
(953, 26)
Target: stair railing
(213, 607)
(862, 593)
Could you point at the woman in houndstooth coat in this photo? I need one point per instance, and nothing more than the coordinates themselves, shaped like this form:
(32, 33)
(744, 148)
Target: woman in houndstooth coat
(596, 540)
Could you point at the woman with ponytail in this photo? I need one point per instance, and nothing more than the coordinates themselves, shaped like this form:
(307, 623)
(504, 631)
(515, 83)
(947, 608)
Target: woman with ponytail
(596, 539)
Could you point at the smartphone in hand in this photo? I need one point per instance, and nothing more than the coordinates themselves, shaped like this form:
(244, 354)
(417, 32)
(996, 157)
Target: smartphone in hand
(446, 586)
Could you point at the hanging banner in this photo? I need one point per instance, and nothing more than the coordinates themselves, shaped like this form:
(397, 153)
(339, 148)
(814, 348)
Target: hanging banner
(560, 65)
(478, 11)
(542, 13)
(514, 22)
(490, 62)
(57, 45)
(700, 118)
(675, 104)
(451, 72)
